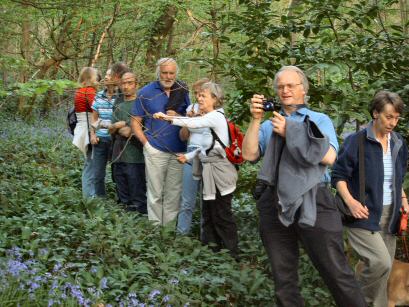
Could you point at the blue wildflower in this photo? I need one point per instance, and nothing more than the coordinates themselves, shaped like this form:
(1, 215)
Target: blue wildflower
(43, 252)
(153, 294)
(103, 283)
(57, 267)
(15, 267)
(173, 281)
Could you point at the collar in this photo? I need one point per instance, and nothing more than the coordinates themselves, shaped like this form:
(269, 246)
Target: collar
(158, 85)
(301, 111)
(370, 134)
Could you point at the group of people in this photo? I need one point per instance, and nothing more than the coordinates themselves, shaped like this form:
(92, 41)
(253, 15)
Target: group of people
(165, 150)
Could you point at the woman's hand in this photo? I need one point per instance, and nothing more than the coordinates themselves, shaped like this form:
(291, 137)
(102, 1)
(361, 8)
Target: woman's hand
(358, 210)
(181, 158)
(161, 116)
(94, 139)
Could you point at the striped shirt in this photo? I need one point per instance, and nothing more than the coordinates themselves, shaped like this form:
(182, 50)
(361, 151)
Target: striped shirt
(387, 175)
(103, 106)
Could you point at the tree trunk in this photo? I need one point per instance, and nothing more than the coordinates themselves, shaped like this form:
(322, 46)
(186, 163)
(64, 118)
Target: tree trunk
(215, 42)
(160, 31)
(25, 53)
(293, 4)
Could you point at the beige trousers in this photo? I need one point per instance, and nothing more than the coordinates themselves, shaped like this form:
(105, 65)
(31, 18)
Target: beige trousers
(164, 184)
(376, 252)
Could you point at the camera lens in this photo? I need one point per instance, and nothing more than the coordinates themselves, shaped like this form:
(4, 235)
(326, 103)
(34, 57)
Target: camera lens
(268, 104)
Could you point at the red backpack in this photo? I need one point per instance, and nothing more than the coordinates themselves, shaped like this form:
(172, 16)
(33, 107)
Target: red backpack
(233, 151)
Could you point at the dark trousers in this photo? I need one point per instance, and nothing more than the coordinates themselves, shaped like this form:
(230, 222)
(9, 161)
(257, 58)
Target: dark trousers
(101, 156)
(131, 185)
(218, 225)
(323, 244)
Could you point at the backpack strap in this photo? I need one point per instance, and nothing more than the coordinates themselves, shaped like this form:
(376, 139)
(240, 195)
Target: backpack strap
(361, 154)
(216, 137)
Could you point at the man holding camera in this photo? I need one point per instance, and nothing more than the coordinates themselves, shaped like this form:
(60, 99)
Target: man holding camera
(294, 200)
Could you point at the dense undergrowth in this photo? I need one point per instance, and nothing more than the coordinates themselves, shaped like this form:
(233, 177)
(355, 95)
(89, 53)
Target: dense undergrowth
(57, 249)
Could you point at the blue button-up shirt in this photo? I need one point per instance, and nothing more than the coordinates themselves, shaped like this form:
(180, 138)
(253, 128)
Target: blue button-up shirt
(323, 122)
(160, 134)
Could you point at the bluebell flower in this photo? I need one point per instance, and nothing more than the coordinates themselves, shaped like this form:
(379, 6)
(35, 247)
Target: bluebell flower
(166, 298)
(50, 302)
(57, 267)
(134, 302)
(153, 294)
(91, 290)
(34, 286)
(173, 281)
(15, 267)
(103, 283)
(94, 270)
(43, 251)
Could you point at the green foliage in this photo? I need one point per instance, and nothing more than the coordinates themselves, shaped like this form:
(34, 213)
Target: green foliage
(347, 49)
(39, 87)
(56, 246)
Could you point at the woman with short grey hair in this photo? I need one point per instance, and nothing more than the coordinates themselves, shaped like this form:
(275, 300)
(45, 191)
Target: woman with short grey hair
(219, 175)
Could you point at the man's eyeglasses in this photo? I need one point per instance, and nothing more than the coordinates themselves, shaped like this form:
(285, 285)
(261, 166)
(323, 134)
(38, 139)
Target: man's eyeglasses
(290, 86)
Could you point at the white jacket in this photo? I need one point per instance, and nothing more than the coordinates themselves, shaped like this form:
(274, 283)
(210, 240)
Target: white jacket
(81, 135)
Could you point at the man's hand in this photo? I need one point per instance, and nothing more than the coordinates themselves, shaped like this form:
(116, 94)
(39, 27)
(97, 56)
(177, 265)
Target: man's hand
(256, 106)
(114, 127)
(181, 158)
(358, 210)
(125, 131)
(279, 123)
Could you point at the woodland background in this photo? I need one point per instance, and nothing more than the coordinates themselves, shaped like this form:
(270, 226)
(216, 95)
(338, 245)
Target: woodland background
(56, 249)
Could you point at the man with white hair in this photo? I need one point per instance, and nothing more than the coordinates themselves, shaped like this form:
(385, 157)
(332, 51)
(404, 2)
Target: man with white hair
(161, 141)
(293, 197)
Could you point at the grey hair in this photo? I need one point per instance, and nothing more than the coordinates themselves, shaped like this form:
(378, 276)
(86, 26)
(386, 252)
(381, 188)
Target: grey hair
(166, 61)
(300, 73)
(216, 91)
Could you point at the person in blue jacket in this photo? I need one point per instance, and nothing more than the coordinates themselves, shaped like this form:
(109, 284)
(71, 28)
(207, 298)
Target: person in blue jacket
(371, 234)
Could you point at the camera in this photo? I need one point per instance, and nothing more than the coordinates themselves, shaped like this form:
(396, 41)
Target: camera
(270, 104)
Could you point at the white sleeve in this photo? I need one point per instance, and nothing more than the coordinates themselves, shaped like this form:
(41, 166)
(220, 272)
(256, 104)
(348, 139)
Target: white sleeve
(190, 155)
(209, 120)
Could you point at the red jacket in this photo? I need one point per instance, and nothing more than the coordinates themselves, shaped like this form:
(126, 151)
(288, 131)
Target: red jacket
(84, 97)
